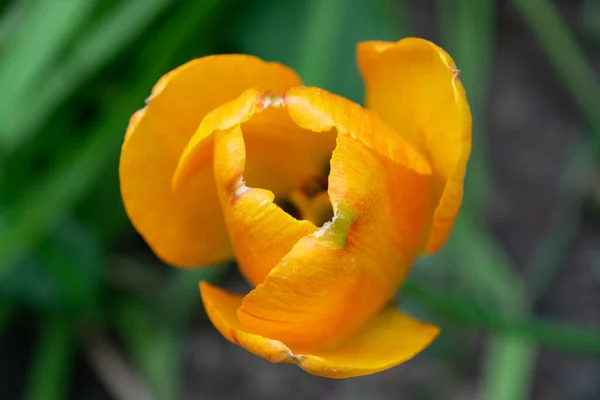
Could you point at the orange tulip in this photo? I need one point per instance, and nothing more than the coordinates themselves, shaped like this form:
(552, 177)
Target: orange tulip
(227, 144)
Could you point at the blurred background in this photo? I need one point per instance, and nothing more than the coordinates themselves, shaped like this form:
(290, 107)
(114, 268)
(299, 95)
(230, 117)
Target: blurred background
(88, 312)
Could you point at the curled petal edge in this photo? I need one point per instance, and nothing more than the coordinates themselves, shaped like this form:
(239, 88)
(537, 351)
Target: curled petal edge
(414, 86)
(181, 227)
(388, 339)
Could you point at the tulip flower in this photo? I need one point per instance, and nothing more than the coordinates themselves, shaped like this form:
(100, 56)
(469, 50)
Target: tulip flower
(323, 203)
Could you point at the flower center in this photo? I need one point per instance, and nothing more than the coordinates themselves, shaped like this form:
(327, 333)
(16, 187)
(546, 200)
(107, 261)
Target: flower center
(290, 161)
(310, 201)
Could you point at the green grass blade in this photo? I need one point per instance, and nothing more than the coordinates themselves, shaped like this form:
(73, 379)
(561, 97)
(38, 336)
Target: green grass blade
(35, 46)
(544, 332)
(574, 185)
(468, 28)
(509, 358)
(49, 376)
(590, 19)
(155, 347)
(155, 341)
(322, 28)
(11, 19)
(318, 38)
(154, 335)
(69, 182)
(94, 50)
(60, 190)
(486, 268)
(564, 54)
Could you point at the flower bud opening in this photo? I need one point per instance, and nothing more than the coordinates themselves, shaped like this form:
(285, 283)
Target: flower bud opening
(291, 162)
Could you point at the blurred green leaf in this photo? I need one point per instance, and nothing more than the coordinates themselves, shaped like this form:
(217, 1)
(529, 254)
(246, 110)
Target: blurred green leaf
(549, 255)
(508, 367)
(491, 277)
(181, 294)
(126, 21)
(47, 202)
(590, 17)
(484, 265)
(49, 376)
(10, 19)
(468, 28)
(61, 273)
(154, 332)
(154, 346)
(468, 33)
(321, 30)
(63, 187)
(318, 38)
(32, 49)
(102, 208)
(566, 56)
(545, 332)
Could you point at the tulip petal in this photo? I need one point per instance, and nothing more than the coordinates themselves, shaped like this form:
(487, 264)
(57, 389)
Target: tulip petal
(260, 231)
(320, 111)
(335, 279)
(386, 340)
(413, 85)
(183, 227)
(221, 309)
